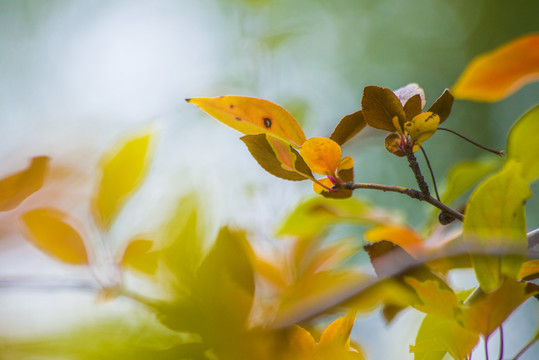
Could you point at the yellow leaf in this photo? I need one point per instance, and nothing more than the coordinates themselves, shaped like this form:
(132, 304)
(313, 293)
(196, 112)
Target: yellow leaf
(139, 256)
(522, 144)
(499, 73)
(434, 299)
(123, 171)
(50, 230)
(302, 343)
(529, 270)
(422, 126)
(252, 116)
(17, 187)
(322, 155)
(338, 332)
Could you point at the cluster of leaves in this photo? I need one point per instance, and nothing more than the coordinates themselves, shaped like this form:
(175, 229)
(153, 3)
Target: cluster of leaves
(230, 302)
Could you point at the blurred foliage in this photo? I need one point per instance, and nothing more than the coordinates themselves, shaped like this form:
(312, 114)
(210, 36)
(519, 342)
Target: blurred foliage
(233, 297)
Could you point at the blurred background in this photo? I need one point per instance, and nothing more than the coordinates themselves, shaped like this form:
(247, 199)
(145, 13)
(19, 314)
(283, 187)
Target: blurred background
(77, 76)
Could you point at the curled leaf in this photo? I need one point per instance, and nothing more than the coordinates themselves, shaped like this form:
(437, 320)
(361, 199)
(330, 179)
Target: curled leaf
(51, 231)
(17, 187)
(277, 157)
(497, 74)
(252, 116)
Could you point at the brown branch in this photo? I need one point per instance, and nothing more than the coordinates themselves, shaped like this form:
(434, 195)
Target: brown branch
(414, 194)
(412, 162)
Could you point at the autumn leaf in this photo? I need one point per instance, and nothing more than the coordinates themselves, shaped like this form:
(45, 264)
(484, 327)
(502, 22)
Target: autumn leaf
(495, 222)
(348, 127)
(252, 116)
(15, 188)
(277, 157)
(52, 231)
(499, 73)
(123, 169)
(322, 155)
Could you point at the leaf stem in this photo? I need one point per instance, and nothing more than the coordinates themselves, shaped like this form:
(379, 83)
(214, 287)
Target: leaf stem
(414, 194)
(431, 173)
(500, 153)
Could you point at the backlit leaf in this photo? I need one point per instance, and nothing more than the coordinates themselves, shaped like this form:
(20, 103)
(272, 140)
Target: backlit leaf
(529, 270)
(322, 155)
(438, 336)
(313, 215)
(499, 73)
(434, 300)
(277, 157)
(252, 116)
(123, 170)
(483, 313)
(464, 176)
(442, 106)
(399, 235)
(495, 222)
(52, 231)
(348, 127)
(18, 186)
(523, 146)
(138, 255)
(379, 106)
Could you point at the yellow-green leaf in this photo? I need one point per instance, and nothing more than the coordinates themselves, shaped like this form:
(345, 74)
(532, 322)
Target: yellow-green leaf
(438, 336)
(18, 186)
(435, 300)
(348, 127)
(313, 215)
(523, 145)
(483, 313)
(54, 232)
(140, 256)
(253, 116)
(495, 222)
(277, 157)
(123, 170)
(497, 74)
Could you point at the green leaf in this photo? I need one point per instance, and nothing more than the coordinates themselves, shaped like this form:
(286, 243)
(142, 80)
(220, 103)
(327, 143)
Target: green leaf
(15, 188)
(182, 246)
(523, 146)
(52, 231)
(277, 157)
(133, 338)
(123, 170)
(380, 105)
(438, 336)
(465, 175)
(442, 106)
(348, 127)
(315, 214)
(495, 222)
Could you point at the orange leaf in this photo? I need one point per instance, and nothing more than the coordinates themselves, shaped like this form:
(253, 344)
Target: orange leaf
(322, 155)
(49, 229)
(499, 73)
(529, 270)
(402, 236)
(17, 187)
(252, 116)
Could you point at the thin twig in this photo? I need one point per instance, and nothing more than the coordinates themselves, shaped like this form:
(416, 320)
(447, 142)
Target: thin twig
(528, 345)
(415, 194)
(431, 173)
(501, 152)
(500, 357)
